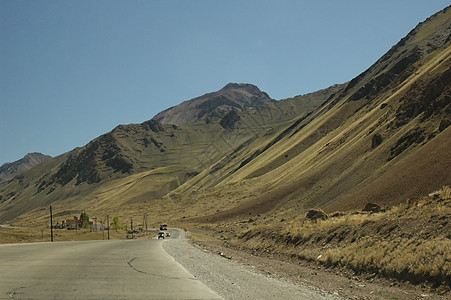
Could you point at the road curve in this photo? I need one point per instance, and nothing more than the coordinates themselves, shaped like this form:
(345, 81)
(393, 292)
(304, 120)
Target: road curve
(120, 269)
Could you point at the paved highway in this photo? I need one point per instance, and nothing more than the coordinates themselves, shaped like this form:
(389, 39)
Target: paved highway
(120, 269)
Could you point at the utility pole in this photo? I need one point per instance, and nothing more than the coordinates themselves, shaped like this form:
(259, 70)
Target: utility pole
(51, 224)
(108, 224)
(131, 225)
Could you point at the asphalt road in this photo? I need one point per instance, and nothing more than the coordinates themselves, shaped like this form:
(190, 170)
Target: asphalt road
(120, 269)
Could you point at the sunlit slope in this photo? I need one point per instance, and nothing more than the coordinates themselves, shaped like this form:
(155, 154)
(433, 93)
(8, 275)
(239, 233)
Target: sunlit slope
(178, 152)
(20, 195)
(267, 126)
(384, 138)
(9, 170)
(128, 150)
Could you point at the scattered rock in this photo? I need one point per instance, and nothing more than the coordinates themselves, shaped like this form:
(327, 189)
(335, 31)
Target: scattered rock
(337, 214)
(412, 137)
(152, 125)
(372, 208)
(435, 195)
(444, 124)
(190, 175)
(315, 214)
(376, 141)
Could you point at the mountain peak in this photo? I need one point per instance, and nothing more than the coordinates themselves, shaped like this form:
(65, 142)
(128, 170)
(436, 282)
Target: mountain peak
(36, 155)
(243, 86)
(9, 170)
(233, 96)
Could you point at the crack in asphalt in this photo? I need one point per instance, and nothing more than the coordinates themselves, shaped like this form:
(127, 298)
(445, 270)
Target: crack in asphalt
(16, 290)
(153, 274)
(137, 270)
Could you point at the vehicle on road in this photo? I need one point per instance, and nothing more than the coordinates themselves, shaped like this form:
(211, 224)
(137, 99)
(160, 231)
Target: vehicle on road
(160, 235)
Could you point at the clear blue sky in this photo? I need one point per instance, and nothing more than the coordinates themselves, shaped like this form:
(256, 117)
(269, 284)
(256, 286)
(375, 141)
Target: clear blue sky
(73, 70)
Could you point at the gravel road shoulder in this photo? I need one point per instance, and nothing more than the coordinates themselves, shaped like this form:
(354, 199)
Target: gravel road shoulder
(233, 280)
(339, 281)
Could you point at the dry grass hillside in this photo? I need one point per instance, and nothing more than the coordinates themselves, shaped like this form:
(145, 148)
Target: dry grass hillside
(386, 143)
(348, 150)
(9, 170)
(410, 241)
(257, 166)
(159, 157)
(172, 154)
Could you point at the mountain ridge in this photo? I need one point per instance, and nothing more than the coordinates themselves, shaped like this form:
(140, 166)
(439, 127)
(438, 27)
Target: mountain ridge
(233, 96)
(232, 158)
(355, 134)
(11, 169)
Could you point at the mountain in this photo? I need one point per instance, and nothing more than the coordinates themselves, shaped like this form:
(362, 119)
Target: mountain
(9, 170)
(160, 156)
(384, 138)
(236, 154)
(213, 106)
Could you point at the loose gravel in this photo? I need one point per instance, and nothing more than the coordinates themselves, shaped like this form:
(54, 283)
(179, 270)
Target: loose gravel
(232, 280)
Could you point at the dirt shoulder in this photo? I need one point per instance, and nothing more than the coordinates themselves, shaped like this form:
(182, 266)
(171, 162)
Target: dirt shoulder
(233, 280)
(337, 281)
(401, 252)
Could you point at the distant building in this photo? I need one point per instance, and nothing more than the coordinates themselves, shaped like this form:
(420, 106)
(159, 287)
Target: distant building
(72, 224)
(97, 227)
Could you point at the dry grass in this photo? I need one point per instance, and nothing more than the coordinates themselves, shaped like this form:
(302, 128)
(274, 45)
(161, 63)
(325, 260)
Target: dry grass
(411, 259)
(29, 235)
(432, 27)
(411, 241)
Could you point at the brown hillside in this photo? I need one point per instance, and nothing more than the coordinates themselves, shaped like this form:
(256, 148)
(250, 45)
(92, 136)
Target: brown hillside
(333, 149)
(214, 106)
(382, 140)
(413, 177)
(9, 170)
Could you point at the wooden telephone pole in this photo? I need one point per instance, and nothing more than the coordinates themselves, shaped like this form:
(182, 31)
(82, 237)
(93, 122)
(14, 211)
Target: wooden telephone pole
(108, 225)
(51, 224)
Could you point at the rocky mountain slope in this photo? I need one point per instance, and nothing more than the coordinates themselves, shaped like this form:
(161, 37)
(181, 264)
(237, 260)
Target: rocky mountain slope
(159, 156)
(214, 106)
(9, 170)
(384, 138)
(236, 153)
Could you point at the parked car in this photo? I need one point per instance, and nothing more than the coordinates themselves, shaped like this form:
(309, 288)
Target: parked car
(164, 226)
